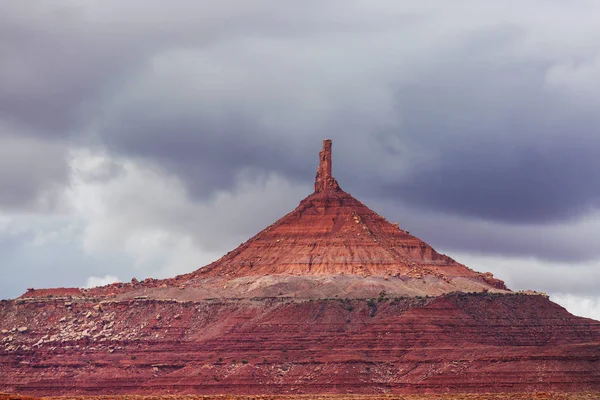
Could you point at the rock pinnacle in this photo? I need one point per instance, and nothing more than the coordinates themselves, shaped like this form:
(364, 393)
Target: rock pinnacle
(324, 180)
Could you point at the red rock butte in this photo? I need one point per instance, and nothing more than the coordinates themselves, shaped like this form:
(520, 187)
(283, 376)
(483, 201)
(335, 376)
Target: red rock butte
(331, 298)
(332, 233)
(328, 245)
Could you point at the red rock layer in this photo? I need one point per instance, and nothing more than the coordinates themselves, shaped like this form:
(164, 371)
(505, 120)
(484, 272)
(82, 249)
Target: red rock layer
(454, 343)
(331, 233)
(53, 292)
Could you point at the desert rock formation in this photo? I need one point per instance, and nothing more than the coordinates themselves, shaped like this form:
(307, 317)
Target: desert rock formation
(331, 298)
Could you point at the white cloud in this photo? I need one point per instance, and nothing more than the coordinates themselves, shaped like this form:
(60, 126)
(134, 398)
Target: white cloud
(581, 77)
(146, 214)
(584, 306)
(94, 281)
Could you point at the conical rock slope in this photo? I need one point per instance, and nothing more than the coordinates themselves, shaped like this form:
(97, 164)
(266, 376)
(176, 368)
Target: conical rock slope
(332, 234)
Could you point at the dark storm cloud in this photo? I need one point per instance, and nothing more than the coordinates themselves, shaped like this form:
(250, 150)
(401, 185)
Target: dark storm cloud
(508, 147)
(208, 154)
(30, 172)
(503, 144)
(53, 67)
(439, 109)
(61, 59)
(64, 63)
(573, 242)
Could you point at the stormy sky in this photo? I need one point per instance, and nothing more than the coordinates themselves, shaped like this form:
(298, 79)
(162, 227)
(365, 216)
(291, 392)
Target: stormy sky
(146, 138)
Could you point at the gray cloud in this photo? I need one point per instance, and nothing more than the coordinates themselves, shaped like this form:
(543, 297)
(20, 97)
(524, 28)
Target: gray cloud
(502, 143)
(573, 241)
(522, 273)
(44, 254)
(31, 172)
(509, 147)
(54, 67)
(477, 122)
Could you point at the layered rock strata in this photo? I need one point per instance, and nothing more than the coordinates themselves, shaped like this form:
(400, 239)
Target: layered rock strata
(453, 343)
(331, 298)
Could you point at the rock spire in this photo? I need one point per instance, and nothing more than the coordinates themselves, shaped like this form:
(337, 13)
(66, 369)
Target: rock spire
(331, 233)
(324, 180)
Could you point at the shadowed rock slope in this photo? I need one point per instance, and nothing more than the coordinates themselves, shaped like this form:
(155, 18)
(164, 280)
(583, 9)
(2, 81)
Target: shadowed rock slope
(332, 298)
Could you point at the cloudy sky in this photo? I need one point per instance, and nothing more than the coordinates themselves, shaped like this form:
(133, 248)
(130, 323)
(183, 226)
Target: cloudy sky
(146, 138)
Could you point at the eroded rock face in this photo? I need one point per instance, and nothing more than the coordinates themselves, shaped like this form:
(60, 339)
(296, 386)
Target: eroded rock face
(454, 343)
(324, 180)
(331, 298)
(332, 233)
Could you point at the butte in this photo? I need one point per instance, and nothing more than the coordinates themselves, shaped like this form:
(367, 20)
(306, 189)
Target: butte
(331, 299)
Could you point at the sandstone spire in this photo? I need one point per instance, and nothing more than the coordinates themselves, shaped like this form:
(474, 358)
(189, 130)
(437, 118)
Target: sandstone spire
(332, 233)
(324, 180)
